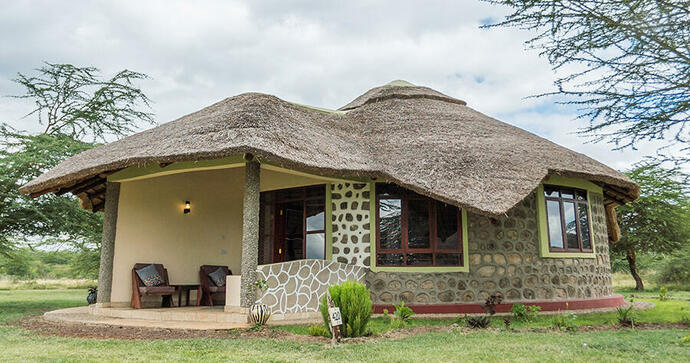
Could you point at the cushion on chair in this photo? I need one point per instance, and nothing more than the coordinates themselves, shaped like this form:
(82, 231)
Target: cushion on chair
(156, 289)
(218, 277)
(149, 276)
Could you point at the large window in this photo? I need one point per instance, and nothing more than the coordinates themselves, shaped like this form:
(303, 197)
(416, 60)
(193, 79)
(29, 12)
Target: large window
(292, 224)
(413, 230)
(567, 217)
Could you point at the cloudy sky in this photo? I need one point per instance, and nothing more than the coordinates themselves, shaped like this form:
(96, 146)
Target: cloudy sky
(321, 53)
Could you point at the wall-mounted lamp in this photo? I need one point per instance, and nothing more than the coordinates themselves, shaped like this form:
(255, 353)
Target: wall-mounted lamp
(187, 207)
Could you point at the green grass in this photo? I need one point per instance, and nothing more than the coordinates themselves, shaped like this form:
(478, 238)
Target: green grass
(623, 282)
(46, 284)
(18, 345)
(17, 303)
(670, 311)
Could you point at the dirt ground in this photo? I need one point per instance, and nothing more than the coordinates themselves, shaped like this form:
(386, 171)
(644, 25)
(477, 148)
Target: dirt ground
(45, 327)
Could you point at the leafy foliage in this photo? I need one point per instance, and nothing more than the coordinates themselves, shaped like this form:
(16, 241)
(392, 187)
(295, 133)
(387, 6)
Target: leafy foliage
(626, 63)
(566, 321)
(491, 302)
(355, 307)
(77, 102)
(663, 292)
(524, 313)
(25, 263)
(659, 221)
(402, 312)
(58, 218)
(626, 316)
(319, 330)
(76, 107)
(675, 269)
(478, 322)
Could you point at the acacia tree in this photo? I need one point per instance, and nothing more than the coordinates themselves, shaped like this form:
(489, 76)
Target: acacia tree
(626, 63)
(659, 221)
(76, 108)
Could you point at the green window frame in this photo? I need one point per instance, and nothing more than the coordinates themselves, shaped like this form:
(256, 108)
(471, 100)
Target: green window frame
(562, 200)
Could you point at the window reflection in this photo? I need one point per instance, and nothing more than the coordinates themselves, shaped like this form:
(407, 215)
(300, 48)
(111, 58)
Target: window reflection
(390, 224)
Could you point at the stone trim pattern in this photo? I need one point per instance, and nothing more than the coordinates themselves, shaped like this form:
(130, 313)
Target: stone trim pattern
(504, 258)
(350, 223)
(298, 286)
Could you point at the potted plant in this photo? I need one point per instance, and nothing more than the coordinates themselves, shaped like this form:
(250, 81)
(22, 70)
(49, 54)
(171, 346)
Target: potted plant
(92, 296)
(259, 313)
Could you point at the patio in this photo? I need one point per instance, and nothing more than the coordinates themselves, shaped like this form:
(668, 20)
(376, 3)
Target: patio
(186, 317)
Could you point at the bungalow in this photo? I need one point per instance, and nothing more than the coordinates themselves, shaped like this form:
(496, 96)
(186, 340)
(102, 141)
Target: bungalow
(409, 190)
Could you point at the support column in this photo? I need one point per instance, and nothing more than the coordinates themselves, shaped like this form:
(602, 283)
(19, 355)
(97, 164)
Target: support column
(105, 272)
(250, 232)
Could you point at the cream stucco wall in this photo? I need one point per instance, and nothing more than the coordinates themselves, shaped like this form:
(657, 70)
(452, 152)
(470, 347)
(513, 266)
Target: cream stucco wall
(152, 228)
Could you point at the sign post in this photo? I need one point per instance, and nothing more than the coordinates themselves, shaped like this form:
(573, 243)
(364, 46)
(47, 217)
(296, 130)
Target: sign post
(335, 320)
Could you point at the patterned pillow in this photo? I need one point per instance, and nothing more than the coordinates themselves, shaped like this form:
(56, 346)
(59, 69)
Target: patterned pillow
(150, 276)
(218, 277)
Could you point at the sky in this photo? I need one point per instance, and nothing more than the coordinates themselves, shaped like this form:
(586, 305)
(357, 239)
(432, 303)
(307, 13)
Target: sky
(319, 53)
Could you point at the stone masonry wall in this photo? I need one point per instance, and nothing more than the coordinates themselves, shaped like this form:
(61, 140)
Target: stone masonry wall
(504, 258)
(298, 286)
(350, 223)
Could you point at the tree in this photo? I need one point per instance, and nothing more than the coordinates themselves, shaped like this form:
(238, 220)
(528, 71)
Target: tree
(659, 221)
(76, 107)
(626, 63)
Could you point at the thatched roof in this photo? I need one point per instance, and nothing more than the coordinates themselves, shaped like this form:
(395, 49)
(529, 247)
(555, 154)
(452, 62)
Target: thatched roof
(413, 136)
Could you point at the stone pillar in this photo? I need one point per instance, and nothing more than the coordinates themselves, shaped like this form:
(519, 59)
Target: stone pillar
(250, 232)
(105, 272)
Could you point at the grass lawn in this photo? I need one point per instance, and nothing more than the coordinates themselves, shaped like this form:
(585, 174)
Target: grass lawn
(43, 284)
(611, 346)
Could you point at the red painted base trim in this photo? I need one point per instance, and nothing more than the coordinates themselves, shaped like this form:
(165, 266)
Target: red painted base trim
(577, 304)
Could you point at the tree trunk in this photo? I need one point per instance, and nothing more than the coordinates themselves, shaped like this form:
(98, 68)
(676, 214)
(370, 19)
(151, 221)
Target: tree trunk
(632, 263)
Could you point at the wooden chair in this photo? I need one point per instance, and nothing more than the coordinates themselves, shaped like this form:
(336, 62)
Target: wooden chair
(208, 287)
(139, 289)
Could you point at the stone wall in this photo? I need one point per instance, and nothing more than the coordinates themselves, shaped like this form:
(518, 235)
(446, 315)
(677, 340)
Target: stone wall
(297, 286)
(350, 223)
(504, 258)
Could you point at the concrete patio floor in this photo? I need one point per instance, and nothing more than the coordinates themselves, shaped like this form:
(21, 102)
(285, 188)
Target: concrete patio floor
(192, 317)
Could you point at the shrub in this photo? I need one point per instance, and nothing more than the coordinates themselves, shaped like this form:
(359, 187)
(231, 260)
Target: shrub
(402, 312)
(491, 303)
(489, 306)
(626, 315)
(355, 307)
(676, 269)
(478, 322)
(525, 313)
(401, 316)
(319, 330)
(565, 321)
(662, 293)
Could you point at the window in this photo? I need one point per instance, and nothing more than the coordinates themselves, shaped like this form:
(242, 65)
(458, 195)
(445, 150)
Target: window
(413, 230)
(292, 224)
(567, 219)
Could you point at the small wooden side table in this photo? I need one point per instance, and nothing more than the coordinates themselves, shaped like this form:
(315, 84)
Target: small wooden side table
(186, 288)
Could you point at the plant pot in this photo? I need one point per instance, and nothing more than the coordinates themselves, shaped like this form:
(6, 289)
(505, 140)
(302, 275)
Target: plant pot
(259, 314)
(91, 298)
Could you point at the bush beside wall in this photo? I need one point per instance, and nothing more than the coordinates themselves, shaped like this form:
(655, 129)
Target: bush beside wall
(355, 307)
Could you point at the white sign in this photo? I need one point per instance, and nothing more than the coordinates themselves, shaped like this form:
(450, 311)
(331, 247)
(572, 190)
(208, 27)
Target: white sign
(336, 319)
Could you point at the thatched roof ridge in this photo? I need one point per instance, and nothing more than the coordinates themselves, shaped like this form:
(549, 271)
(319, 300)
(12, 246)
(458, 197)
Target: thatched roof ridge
(413, 136)
(400, 90)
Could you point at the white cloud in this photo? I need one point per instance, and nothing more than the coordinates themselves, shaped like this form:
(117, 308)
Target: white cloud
(318, 53)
